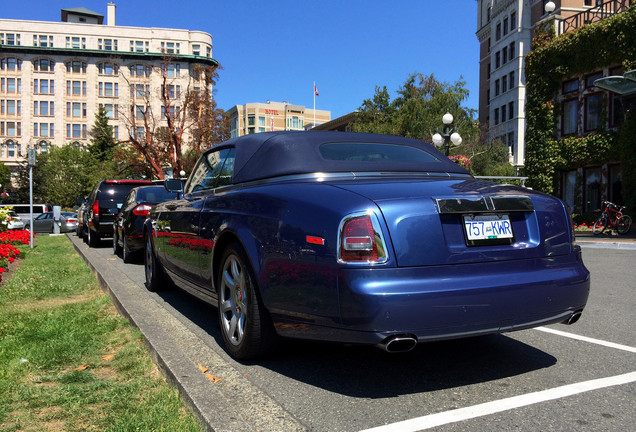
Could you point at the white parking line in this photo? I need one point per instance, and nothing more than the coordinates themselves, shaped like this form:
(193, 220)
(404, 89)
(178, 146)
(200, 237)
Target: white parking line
(587, 339)
(439, 419)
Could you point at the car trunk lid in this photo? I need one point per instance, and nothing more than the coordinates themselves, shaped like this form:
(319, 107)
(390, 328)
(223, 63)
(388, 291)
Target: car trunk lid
(427, 221)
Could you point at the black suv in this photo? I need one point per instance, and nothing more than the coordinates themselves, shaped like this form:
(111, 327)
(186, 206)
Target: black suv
(102, 205)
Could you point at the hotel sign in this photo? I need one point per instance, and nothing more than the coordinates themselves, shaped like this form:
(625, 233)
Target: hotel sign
(271, 111)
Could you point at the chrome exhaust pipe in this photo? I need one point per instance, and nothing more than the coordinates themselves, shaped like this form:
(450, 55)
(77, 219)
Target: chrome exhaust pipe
(398, 343)
(573, 318)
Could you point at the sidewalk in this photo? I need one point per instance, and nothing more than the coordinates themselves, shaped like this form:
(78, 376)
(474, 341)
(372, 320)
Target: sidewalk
(607, 241)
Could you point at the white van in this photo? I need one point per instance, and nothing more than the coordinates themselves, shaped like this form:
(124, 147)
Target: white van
(24, 211)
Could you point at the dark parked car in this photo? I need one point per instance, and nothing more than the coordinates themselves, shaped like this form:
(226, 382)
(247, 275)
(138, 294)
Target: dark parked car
(44, 222)
(106, 195)
(361, 239)
(128, 226)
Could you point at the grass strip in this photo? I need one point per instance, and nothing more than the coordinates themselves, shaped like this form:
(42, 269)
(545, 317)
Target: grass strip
(68, 360)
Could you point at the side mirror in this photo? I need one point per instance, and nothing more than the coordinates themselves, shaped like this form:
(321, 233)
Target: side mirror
(173, 185)
(80, 200)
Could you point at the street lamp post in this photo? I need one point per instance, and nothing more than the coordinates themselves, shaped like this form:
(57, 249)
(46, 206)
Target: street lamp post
(449, 136)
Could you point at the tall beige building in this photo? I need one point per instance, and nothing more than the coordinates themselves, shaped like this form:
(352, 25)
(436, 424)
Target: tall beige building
(55, 75)
(273, 116)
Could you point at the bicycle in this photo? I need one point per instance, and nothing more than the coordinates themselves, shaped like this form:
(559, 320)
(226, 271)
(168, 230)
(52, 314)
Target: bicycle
(612, 217)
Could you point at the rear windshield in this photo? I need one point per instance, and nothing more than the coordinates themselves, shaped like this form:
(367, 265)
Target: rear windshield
(155, 195)
(375, 152)
(116, 192)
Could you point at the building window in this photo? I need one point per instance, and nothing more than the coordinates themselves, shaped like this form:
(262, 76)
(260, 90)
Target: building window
(496, 116)
(11, 128)
(251, 119)
(108, 69)
(503, 113)
(592, 198)
(116, 132)
(505, 26)
(43, 86)
(511, 142)
(11, 85)
(511, 79)
(9, 38)
(589, 79)
(568, 187)
(11, 107)
(513, 20)
(45, 130)
(140, 111)
(171, 70)
(109, 89)
(498, 32)
(570, 86)
(593, 107)
(107, 44)
(569, 116)
(43, 108)
(196, 50)
(208, 51)
(511, 51)
(497, 88)
(504, 55)
(139, 90)
(139, 46)
(43, 40)
(504, 83)
(497, 59)
(140, 70)
(75, 42)
(171, 91)
(76, 67)
(615, 183)
(170, 47)
(43, 65)
(11, 64)
(617, 114)
(76, 88)
(112, 110)
(44, 146)
(76, 109)
(511, 110)
(75, 130)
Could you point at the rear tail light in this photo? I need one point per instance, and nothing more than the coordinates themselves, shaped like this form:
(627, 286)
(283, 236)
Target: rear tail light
(142, 210)
(360, 240)
(96, 210)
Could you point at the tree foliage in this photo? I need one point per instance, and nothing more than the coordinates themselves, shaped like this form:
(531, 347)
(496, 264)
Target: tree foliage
(417, 110)
(102, 145)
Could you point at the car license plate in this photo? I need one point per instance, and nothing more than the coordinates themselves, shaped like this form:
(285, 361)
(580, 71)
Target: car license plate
(487, 227)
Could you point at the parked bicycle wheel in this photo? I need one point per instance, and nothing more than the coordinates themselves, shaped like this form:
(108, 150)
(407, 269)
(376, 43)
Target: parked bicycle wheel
(599, 226)
(623, 224)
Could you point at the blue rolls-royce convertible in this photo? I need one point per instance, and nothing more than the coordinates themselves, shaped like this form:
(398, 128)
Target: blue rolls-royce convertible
(361, 239)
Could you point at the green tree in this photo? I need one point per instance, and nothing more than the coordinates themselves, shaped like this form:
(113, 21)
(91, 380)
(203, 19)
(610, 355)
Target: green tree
(67, 173)
(102, 146)
(417, 110)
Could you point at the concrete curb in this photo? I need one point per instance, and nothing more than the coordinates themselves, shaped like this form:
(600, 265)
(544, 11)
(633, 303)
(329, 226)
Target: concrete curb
(232, 404)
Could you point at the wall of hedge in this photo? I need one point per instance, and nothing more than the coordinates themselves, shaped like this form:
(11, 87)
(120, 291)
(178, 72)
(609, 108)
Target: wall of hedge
(552, 59)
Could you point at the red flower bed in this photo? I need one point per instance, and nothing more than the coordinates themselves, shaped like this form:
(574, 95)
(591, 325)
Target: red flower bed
(9, 252)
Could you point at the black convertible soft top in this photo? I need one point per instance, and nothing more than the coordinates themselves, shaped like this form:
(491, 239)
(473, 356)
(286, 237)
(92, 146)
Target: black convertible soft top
(271, 154)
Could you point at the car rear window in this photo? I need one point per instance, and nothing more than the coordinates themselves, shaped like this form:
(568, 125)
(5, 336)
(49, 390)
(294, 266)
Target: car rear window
(375, 152)
(155, 194)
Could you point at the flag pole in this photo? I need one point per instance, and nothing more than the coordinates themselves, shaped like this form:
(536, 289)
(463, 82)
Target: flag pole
(314, 104)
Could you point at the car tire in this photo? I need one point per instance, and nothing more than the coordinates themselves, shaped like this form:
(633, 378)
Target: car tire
(156, 278)
(126, 255)
(245, 324)
(116, 247)
(93, 238)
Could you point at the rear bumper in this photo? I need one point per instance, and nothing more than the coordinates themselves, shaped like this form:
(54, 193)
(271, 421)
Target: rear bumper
(445, 302)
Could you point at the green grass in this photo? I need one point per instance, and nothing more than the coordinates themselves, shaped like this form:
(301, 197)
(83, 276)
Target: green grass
(55, 327)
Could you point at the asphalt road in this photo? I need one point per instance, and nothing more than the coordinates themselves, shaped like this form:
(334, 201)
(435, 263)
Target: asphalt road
(561, 378)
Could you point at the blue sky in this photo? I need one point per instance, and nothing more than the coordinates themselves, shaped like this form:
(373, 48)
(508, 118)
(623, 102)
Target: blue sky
(276, 49)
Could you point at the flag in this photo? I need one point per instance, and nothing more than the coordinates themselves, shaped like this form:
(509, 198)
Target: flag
(316, 90)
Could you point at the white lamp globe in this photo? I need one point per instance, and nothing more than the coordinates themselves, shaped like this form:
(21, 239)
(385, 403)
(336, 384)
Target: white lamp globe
(550, 6)
(438, 140)
(456, 138)
(447, 119)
